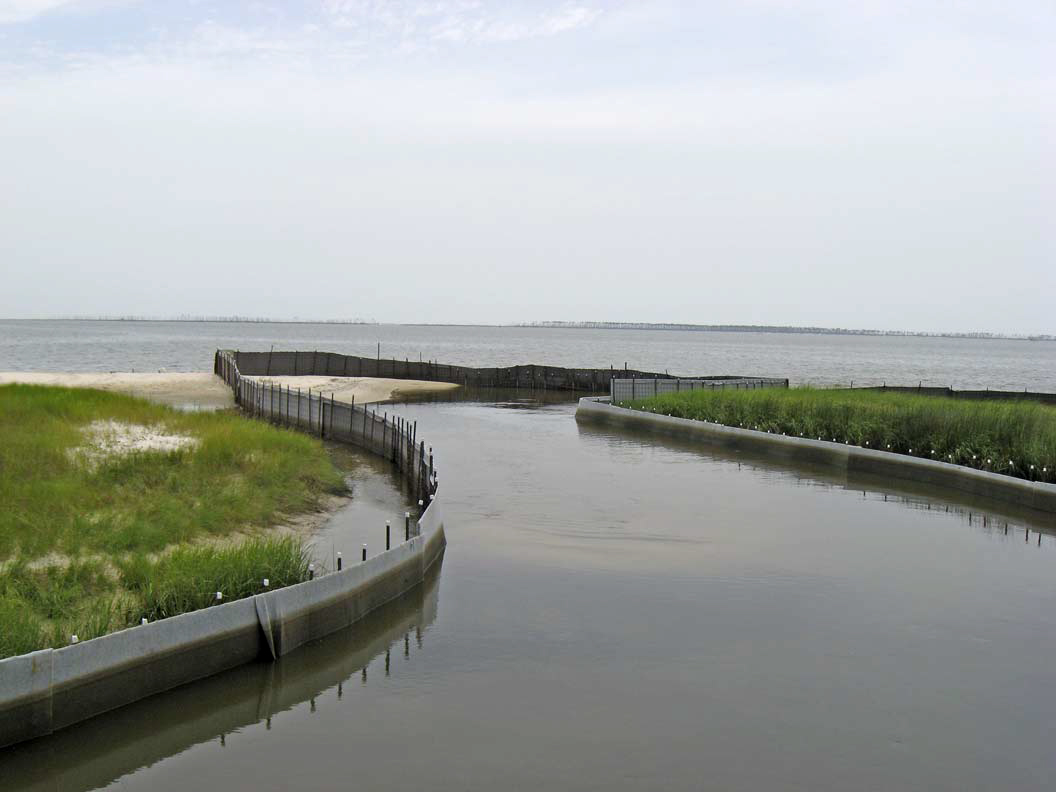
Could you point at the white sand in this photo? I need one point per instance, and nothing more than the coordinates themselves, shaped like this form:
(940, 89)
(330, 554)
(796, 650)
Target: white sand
(108, 439)
(207, 391)
(365, 389)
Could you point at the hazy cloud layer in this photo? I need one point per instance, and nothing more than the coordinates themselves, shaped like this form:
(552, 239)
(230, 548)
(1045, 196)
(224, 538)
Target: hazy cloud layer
(870, 164)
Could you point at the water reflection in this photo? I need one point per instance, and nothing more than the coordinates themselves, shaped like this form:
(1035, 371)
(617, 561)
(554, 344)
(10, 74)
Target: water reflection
(976, 511)
(378, 495)
(503, 398)
(97, 752)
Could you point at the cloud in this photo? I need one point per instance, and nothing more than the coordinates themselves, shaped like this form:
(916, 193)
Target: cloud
(17, 11)
(478, 27)
(332, 31)
(23, 10)
(803, 149)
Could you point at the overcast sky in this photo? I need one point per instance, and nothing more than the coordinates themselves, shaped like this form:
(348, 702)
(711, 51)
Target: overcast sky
(859, 164)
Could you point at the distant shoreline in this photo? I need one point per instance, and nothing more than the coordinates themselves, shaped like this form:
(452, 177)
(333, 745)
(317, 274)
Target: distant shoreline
(560, 325)
(789, 329)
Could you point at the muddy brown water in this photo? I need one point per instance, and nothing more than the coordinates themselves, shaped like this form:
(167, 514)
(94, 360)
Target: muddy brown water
(618, 611)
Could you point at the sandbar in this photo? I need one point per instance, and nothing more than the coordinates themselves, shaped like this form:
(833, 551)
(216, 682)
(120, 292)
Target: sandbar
(366, 390)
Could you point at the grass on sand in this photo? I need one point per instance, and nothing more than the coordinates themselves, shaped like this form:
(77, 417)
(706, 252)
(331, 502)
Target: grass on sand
(95, 536)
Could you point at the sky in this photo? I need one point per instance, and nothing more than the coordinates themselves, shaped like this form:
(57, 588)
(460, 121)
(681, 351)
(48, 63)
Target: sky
(872, 164)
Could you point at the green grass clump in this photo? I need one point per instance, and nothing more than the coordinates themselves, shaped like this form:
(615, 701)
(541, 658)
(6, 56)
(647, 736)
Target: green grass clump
(43, 606)
(1016, 438)
(188, 578)
(90, 545)
(241, 473)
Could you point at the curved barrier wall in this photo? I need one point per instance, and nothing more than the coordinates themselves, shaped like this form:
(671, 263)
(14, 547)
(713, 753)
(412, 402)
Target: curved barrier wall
(45, 691)
(1036, 495)
(94, 754)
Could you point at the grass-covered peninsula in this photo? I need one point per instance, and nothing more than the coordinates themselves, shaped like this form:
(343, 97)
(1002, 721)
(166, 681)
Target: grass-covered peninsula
(1016, 438)
(116, 509)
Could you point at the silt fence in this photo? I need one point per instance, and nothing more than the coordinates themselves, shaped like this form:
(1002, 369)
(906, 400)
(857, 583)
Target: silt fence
(623, 390)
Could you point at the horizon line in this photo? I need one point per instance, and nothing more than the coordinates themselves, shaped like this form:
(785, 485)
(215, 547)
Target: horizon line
(558, 324)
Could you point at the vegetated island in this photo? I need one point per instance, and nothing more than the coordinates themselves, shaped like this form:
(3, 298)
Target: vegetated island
(718, 328)
(116, 509)
(1015, 438)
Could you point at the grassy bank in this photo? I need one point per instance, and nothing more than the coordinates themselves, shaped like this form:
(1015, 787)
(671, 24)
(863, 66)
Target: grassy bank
(1016, 438)
(95, 536)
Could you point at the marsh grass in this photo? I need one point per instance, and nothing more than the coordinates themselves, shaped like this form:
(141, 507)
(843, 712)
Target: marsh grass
(1016, 438)
(87, 547)
(189, 577)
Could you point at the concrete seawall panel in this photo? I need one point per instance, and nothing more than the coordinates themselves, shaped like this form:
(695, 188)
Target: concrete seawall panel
(96, 676)
(1036, 495)
(25, 696)
(97, 753)
(45, 691)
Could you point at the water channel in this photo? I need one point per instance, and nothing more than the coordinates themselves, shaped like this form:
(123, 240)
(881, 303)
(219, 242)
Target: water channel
(624, 612)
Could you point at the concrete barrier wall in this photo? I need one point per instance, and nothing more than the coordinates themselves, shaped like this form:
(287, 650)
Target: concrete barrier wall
(1035, 495)
(92, 755)
(49, 690)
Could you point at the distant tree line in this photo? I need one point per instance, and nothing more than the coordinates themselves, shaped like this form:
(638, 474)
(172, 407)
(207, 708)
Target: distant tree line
(777, 329)
(206, 318)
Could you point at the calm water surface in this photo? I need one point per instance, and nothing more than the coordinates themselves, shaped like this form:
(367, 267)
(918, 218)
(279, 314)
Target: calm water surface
(618, 612)
(824, 359)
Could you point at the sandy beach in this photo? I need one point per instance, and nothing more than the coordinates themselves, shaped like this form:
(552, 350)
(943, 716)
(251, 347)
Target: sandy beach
(187, 390)
(366, 390)
(205, 391)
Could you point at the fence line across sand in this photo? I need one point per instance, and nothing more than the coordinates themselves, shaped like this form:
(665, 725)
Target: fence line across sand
(527, 377)
(394, 438)
(622, 390)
